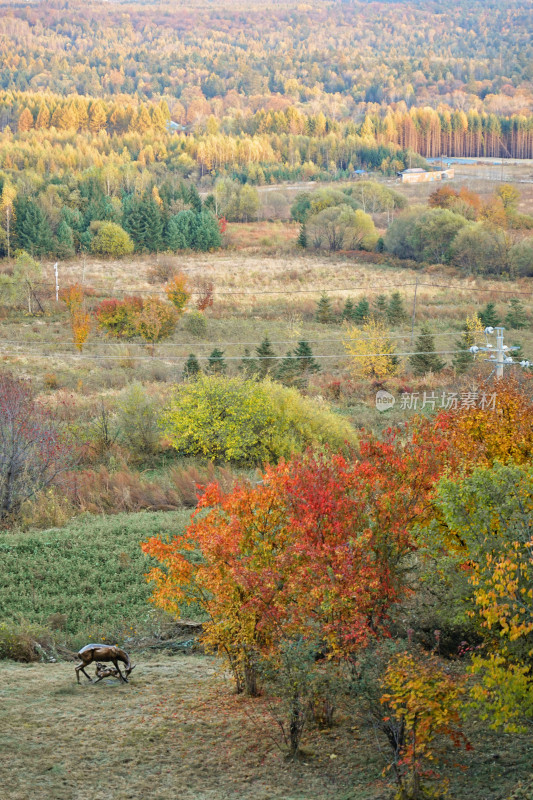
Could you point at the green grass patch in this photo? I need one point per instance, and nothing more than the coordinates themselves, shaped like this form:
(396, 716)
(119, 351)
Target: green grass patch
(84, 580)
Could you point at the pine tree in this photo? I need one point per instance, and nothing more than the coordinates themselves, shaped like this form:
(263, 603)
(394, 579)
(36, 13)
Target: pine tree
(426, 359)
(297, 366)
(302, 240)
(380, 305)
(489, 316)
(324, 312)
(347, 311)
(215, 362)
(33, 232)
(266, 356)
(65, 240)
(194, 198)
(395, 311)
(361, 311)
(463, 359)
(152, 225)
(305, 360)
(516, 316)
(248, 365)
(191, 368)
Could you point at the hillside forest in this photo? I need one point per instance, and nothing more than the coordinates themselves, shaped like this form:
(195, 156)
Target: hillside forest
(266, 399)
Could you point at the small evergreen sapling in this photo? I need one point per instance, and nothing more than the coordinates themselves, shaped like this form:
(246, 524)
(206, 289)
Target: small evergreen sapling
(489, 316)
(324, 312)
(266, 358)
(361, 311)
(191, 368)
(215, 363)
(348, 310)
(426, 359)
(516, 316)
(395, 311)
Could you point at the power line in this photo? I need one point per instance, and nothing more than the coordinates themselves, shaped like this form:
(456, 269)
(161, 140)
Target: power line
(125, 357)
(108, 343)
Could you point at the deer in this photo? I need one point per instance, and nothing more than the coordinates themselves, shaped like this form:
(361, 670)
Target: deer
(103, 652)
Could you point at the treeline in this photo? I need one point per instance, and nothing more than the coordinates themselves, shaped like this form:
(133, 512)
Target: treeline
(172, 218)
(287, 135)
(229, 59)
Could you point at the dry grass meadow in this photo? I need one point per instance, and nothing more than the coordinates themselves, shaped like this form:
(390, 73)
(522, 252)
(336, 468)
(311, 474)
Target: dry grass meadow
(178, 731)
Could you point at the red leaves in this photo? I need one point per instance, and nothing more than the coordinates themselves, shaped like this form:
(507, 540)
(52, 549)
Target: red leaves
(314, 550)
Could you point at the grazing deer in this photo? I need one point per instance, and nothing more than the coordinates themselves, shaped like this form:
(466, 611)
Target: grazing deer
(103, 652)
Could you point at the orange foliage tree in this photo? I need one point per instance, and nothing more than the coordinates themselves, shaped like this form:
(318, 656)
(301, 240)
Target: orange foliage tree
(316, 550)
(80, 320)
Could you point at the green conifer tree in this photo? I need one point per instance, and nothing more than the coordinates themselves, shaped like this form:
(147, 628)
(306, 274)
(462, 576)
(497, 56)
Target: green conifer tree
(380, 305)
(266, 358)
(516, 316)
(426, 359)
(395, 310)
(215, 363)
(489, 316)
(361, 311)
(302, 240)
(191, 368)
(248, 365)
(463, 359)
(347, 311)
(324, 312)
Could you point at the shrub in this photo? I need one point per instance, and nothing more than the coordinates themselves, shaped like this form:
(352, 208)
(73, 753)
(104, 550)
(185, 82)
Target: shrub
(177, 293)
(32, 451)
(231, 419)
(195, 323)
(155, 320)
(137, 420)
(151, 318)
(119, 317)
(111, 240)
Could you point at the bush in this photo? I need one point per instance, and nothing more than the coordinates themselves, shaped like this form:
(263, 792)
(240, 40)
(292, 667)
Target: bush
(424, 234)
(137, 420)
(150, 318)
(195, 323)
(244, 421)
(111, 240)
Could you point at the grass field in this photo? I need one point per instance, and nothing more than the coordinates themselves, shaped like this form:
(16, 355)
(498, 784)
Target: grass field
(178, 731)
(86, 580)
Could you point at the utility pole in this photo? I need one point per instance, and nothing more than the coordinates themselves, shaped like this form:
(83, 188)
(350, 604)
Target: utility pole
(414, 313)
(499, 352)
(56, 273)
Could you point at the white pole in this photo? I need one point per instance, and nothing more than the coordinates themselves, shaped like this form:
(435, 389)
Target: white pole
(57, 281)
(499, 352)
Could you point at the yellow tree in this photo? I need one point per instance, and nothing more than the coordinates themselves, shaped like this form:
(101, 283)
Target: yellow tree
(7, 213)
(372, 350)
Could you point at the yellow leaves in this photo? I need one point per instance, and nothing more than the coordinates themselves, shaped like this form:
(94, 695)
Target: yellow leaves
(372, 350)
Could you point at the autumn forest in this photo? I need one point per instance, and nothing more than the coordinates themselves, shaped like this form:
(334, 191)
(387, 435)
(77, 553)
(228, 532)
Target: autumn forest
(266, 399)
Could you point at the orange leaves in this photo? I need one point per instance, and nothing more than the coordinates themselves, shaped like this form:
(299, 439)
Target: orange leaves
(80, 320)
(500, 433)
(314, 550)
(177, 292)
(422, 700)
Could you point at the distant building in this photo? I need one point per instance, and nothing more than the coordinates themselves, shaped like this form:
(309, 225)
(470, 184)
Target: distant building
(175, 127)
(419, 175)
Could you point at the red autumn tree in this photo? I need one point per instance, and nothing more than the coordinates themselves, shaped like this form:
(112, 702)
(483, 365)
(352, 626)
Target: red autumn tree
(315, 550)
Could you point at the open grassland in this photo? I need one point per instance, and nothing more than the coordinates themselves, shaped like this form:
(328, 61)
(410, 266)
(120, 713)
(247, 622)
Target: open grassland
(178, 731)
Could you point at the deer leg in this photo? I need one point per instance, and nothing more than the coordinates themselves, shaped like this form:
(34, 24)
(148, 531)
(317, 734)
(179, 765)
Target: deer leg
(115, 662)
(81, 668)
